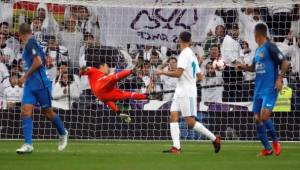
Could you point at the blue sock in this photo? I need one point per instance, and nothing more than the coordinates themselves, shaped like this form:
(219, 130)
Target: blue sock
(262, 135)
(27, 130)
(59, 125)
(270, 127)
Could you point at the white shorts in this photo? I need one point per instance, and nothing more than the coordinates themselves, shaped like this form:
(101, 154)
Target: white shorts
(186, 105)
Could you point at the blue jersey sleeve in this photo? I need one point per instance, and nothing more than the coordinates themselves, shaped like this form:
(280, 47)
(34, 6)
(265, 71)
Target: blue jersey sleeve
(32, 48)
(276, 55)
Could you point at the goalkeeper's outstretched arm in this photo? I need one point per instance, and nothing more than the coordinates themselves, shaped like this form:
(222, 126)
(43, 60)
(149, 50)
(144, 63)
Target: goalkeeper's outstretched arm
(83, 70)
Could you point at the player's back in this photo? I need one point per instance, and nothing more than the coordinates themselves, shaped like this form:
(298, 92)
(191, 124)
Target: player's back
(94, 75)
(39, 79)
(266, 70)
(186, 85)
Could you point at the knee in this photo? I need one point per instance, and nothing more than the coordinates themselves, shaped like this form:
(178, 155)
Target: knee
(257, 120)
(190, 121)
(49, 113)
(265, 115)
(26, 112)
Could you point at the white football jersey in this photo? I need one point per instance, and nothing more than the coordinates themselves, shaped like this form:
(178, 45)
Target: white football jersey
(13, 94)
(186, 85)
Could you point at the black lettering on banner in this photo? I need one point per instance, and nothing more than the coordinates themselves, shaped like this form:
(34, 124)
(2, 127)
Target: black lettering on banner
(155, 37)
(164, 37)
(179, 23)
(148, 36)
(144, 35)
(157, 20)
(175, 39)
(138, 17)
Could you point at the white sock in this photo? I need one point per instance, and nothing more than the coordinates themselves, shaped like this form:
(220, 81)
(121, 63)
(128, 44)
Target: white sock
(175, 132)
(203, 130)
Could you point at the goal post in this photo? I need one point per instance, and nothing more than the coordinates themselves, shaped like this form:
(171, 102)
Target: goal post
(77, 33)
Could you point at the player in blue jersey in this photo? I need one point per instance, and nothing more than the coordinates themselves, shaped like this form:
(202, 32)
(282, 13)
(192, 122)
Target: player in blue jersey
(37, 90)
(270, 66)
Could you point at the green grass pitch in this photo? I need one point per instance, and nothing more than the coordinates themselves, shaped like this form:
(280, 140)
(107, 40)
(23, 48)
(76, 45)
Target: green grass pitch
(122, 155)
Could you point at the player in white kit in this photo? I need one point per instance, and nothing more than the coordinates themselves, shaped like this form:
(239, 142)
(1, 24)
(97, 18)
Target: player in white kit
(185, 98)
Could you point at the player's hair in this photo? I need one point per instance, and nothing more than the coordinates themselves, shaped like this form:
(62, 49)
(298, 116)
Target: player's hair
(24, 29)
(146, 62)
(172, 58)
(185, 36)
(209, 63)
(154, 52)
(261, 29)
(4, 23)
(87, 35)
(215, 45)
(51, 37)
(62, 63)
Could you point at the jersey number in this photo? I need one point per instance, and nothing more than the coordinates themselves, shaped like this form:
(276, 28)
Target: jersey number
(194, 69)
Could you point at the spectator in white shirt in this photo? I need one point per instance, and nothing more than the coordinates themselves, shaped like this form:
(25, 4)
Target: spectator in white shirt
(11, 41)
(281, 20)
(72, 40)
(169, 83)
(38, 32)
(247, 21)
(214, 54)
(65, 92)
(247, 58)
(4, 81)
(212, 24)
(231, 48)
(49, 24)
(51, 70)
(6, 54)
(6, 11)
(294, 53)
(230, 51)
(211, 78)
(155, 61)
(13, 93)
(86, 95)
(215, 39)
(295, 24)
(146, 52)
(87, 22)
(56, 52)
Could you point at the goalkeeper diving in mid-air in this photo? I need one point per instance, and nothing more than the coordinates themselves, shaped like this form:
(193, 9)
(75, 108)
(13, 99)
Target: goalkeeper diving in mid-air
(104, 87)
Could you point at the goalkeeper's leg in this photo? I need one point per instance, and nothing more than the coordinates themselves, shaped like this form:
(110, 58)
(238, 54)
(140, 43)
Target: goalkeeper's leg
(112, 80)
(125, 117)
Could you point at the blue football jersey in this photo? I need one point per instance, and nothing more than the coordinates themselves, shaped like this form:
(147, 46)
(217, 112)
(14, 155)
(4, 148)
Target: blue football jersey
(39, 79)
(267, 60)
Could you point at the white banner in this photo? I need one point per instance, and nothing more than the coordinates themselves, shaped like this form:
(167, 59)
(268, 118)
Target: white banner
(151, 26)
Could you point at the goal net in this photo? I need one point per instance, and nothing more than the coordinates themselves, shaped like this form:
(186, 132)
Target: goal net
(77, 33)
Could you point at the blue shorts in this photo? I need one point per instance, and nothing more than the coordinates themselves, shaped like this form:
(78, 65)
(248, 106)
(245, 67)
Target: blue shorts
(266, 101)
(41, 97)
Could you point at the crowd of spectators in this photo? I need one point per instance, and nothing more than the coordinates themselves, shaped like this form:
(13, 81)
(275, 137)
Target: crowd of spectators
(75, 42)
